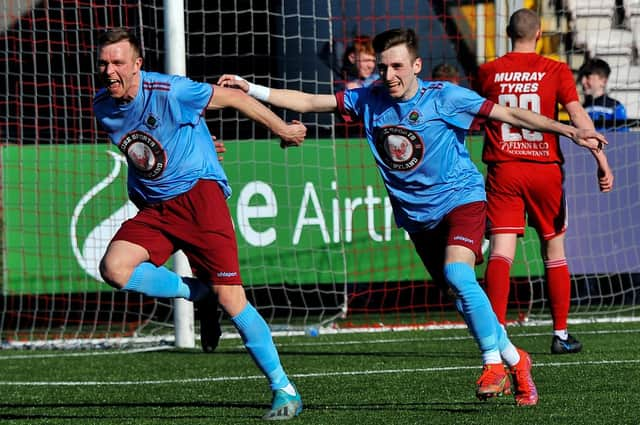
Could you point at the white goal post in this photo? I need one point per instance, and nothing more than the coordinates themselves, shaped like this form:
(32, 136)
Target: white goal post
(175, 63)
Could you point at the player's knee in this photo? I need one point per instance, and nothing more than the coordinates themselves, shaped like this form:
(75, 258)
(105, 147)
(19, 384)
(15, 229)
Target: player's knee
(460, 277)
(113, 272)
(231, 298)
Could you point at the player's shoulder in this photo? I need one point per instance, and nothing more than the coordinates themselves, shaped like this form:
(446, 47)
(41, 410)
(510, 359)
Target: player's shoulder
(442, 88)
(490, 64)
(494, 63)
(156, 81)
(553, 62)
(437, 86)
(487, 70)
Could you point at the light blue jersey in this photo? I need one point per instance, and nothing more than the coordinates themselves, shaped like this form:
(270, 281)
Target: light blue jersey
(163, 134)
(419, 147)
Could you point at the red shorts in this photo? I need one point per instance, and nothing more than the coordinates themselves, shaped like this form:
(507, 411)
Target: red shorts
(516, 189)
(197, 222)
(463, 226)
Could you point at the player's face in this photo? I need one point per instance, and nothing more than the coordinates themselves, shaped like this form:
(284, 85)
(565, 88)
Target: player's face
(398, 69)
(119, 68)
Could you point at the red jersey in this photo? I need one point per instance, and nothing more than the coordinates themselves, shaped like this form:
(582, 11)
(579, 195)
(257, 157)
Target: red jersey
(528, 81)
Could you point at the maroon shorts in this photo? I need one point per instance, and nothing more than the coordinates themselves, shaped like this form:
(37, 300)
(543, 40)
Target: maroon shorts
(463, 226)
(516, 190)
(197, 222)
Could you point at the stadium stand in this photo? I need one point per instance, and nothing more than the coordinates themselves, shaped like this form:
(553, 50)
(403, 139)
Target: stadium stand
(610, 29)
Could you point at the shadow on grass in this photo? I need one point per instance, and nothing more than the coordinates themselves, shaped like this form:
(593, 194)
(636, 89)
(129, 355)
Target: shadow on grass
(126, 410)
(376, 353)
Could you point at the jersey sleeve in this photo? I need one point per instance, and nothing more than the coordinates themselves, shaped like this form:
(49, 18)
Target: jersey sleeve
(567, 92)
(192, 98)
(459, 106)
(350, 103)
(342, 110)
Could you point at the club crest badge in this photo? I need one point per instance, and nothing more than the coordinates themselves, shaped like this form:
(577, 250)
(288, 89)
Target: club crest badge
(399, 148)
(414, 116)
(144, 153)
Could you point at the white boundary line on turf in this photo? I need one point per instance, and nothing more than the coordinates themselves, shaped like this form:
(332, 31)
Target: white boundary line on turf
(295, 376)
(445, 338)
(313, 341)
(59, 354)
(381, 327)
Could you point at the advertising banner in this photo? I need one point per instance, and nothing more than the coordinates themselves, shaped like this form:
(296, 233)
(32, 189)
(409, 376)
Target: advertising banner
(316, 214)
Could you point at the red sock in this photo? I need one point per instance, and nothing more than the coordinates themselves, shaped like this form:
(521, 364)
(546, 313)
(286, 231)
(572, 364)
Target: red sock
(496, 281)
(559, 287)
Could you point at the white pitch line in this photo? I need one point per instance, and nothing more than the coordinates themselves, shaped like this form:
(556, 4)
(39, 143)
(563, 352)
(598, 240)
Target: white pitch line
(298, 375)
(313, 342)
(443, 338)
(59, 354)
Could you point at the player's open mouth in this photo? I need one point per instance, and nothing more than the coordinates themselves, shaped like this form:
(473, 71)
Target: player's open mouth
(393, 84)
(112, 82)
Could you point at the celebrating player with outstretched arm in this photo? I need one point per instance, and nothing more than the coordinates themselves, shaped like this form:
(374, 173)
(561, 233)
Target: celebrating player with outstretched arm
(416, 131)
(176, 180)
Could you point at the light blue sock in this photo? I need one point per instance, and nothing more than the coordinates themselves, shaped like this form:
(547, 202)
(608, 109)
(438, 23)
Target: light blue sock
(503, 339)
(256, 336)
(474, 305)
(163, 283)
(458, 304)
(507, 350)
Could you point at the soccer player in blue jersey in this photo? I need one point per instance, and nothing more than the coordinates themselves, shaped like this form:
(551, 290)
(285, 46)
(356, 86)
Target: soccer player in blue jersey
(177, 182)
(416, 131)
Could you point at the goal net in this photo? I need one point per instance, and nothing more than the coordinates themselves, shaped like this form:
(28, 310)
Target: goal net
(317, 241)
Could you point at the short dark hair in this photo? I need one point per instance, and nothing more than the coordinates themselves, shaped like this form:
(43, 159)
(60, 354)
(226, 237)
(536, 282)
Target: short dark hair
(390, 38)
(596, 66)
(523, 24)
(115, 35)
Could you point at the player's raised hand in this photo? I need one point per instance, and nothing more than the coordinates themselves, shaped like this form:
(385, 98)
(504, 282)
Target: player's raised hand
(234, 81)
(294, 134)
(590, 139)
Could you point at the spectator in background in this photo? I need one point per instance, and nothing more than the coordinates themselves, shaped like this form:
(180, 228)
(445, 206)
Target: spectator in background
(445, 72)
(342, 59)
(525, 173)
(364, 58)
(606, 112)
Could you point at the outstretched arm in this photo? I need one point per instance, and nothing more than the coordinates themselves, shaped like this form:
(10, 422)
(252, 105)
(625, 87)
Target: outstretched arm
(289, 99)
(581, 119)
(523, 118)
(291, 134)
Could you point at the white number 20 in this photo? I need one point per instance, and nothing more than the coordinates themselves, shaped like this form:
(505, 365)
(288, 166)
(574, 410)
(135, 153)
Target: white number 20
(530, 101)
